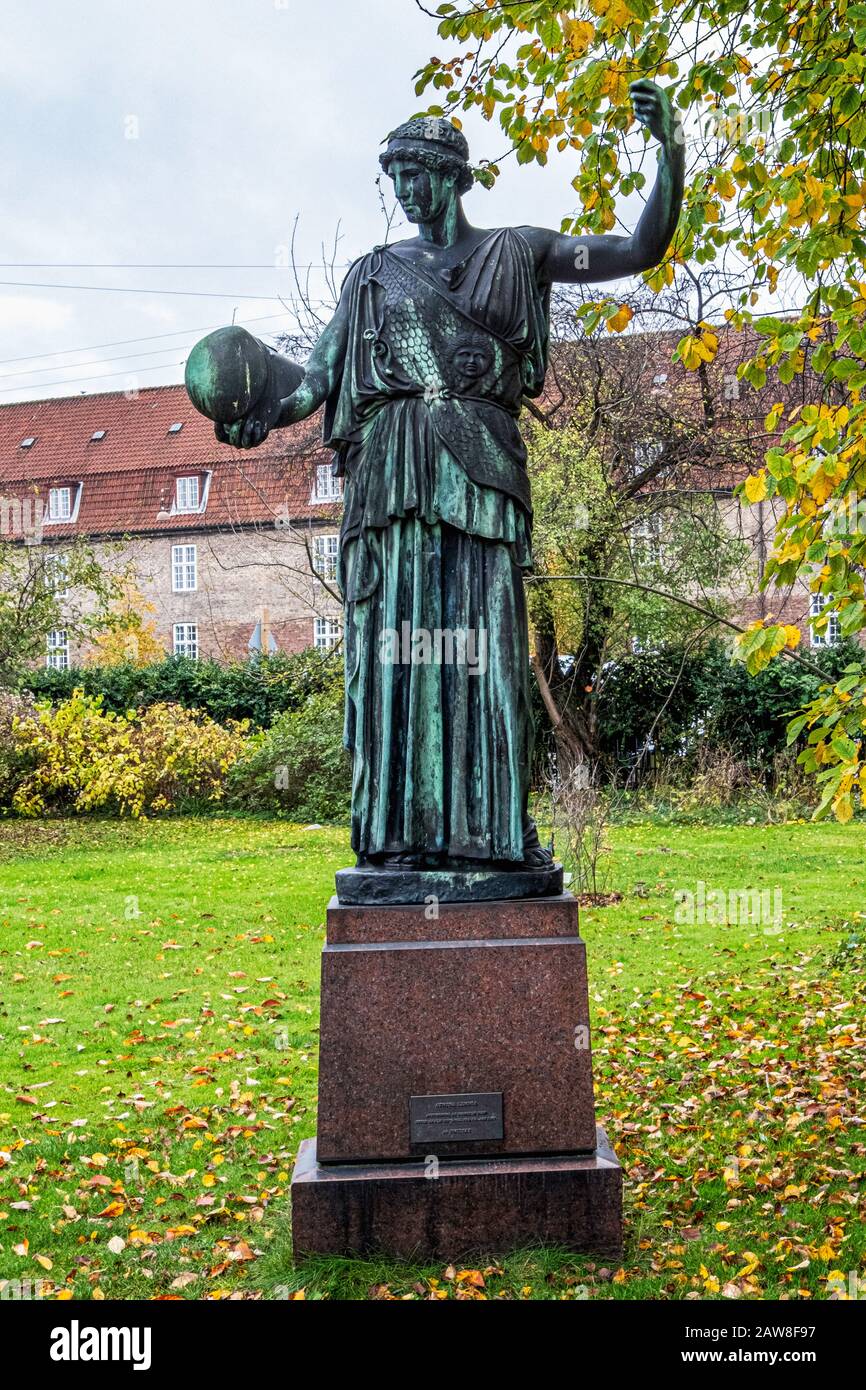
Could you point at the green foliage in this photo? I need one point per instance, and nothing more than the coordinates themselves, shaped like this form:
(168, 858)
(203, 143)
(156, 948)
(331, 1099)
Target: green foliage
(13, 760)
(257, 690)
(610, 562)
(130, 745)
(687, 700)
(31, 606)
(771, 97)
(586, 522)
(298, 767)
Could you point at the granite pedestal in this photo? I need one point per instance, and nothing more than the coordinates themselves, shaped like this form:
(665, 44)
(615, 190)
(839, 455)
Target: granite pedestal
(455, 1086)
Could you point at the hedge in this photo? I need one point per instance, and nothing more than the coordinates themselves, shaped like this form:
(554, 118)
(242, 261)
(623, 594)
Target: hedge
(258, 689)
(710, 700)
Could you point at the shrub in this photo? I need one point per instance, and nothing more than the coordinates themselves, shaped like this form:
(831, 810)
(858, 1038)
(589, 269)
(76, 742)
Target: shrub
(298, 767)
(705, 699)
(78, 757)
(258, 689)
(13, 708)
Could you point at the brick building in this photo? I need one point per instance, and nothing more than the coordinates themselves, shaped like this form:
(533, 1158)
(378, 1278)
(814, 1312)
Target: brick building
(232, 551)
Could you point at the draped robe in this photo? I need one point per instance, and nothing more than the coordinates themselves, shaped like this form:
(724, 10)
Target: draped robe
(435, 536)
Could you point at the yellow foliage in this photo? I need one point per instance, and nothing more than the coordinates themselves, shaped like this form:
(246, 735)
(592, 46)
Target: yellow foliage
(755, 487)
(693, 350)
(131, 635)
(620, 319)
(80, 757)
(579, 33)
(614, 85)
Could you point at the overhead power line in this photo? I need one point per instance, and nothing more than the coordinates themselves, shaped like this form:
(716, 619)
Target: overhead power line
(71, 381)
(119, 357)
(144, 338)
(121, 289)
(156, 265)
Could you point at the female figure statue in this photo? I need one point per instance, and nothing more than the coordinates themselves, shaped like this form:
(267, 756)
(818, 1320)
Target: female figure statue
(422, 371)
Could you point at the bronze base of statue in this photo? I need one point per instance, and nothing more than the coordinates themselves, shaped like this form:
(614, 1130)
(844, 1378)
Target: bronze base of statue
(391, 883)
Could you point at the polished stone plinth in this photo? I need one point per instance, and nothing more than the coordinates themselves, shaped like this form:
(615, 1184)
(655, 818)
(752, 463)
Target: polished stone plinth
(484, 998)
(456, 1105)
(465, 1206)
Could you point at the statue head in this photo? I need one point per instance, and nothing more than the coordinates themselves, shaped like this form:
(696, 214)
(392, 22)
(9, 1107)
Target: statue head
(428, 159)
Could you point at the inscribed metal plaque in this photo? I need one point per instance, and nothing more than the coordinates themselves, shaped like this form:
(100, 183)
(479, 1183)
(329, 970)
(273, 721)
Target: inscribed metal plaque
(449, 1119)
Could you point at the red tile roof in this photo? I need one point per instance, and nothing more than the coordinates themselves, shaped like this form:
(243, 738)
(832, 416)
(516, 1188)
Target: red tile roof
(128, 477)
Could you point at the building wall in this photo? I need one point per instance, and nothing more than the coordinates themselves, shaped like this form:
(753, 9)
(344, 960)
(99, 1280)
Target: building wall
(264, 575)
(756, 525)
(243, 578)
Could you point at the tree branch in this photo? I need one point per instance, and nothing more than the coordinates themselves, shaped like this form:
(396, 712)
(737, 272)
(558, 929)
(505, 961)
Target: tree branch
(673, 598)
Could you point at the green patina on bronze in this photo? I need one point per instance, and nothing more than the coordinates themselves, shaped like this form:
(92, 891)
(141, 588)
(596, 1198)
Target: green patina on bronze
(228, 372)
(422, 370)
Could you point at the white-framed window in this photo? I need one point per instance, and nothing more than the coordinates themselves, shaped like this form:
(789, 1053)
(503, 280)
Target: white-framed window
(185, 640)
(327, 488)
(326, 633)
(831, 634)
(58, 650)
(646, 452)
(325, 549)
(59, 503)
(647, 536)
(57, 575)
(184, 568)
(187, 494)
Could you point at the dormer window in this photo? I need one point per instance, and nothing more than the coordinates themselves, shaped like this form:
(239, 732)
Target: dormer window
(327, 488)
(186, 496)
(59, 503)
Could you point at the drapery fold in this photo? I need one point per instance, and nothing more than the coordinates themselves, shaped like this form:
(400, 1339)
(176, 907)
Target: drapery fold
(435, 536)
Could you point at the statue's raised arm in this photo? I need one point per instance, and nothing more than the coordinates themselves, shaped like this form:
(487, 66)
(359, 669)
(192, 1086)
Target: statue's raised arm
(578, 259)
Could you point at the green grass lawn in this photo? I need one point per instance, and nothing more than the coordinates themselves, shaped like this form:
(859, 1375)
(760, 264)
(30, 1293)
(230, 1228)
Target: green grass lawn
(158, 1014)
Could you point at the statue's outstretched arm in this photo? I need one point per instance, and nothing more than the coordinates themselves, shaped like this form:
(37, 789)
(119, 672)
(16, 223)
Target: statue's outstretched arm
(322, 372)
(576, 260)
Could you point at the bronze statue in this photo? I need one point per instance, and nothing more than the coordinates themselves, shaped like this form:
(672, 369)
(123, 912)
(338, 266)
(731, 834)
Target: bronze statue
(422, 371)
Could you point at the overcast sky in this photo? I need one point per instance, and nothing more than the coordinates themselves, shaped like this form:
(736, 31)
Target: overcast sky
(194, 132)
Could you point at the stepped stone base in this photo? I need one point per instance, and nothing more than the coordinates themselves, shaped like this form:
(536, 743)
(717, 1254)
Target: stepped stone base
(480, 1205)
(456, 1107)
